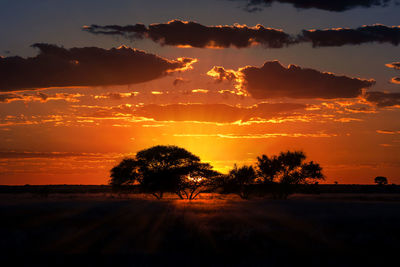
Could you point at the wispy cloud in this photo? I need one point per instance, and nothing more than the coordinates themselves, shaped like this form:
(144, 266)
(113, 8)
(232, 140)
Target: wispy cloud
(260, 136)
(39, 96)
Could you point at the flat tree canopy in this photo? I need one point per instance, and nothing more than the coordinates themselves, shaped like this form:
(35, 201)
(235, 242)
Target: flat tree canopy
(161, 169)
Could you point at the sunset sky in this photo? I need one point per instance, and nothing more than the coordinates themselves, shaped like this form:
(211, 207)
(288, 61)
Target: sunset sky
(86, 83)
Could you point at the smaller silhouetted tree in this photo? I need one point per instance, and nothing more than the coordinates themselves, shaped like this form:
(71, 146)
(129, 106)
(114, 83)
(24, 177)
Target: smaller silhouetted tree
(287, 171)
(381, 180)
(241, 180)
(200, 178)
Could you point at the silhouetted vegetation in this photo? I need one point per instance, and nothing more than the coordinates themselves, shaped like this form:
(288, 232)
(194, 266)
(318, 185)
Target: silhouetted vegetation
(284, 173)
(278, 175)
(162, 169)
(381, 180)
(241, 181)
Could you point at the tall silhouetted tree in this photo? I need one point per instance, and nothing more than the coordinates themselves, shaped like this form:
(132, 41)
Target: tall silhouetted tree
(381, 180)
(288, 170)
(161, 169)
(241, 180)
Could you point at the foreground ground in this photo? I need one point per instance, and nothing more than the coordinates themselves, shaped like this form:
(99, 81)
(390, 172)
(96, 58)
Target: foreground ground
(103, 229)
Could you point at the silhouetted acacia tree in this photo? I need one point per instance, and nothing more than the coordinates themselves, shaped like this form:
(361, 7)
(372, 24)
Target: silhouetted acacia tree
(161, 169)
(241, 180)
(381, 180)
(288, 170)
(200, 178)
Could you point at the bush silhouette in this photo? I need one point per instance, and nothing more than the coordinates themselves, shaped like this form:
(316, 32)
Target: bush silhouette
(381, 180)
(161, 169)
(284, 173)
(241, 180)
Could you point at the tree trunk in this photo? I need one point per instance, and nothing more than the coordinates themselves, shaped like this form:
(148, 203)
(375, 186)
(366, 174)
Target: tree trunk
(196, 194)
(179, 194)
(155, 194)
(159, 196)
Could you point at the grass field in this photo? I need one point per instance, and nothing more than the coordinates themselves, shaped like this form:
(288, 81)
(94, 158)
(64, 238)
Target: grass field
(215, 230)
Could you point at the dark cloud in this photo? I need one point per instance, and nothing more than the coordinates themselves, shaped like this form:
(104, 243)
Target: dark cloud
(382, 99)
(192, 34)
(364, 34)
(38, 96)
(393, 65)
(136, 31)
(218, 113)
(329, 5)
(273, 80)
(182, 33)
(89, 66)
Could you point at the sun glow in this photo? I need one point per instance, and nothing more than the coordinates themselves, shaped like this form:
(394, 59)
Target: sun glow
(195, 179)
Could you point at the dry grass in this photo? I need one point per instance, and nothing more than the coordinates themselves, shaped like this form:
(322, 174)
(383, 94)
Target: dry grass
(214, 230)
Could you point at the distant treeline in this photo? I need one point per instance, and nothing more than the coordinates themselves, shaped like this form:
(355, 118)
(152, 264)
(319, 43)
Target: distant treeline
(135, 189)
(54, 189)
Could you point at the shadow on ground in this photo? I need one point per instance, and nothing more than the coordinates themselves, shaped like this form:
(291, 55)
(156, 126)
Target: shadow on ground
(213, 231)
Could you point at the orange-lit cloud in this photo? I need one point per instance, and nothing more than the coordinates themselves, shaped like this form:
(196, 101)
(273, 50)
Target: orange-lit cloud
(259, 136)
(273, 80)
(12, 120)
(116, 96)
(39, 96)
(393, 65)
(191, 34)
(202, 91)
(88, 66)
(387, 132)
(396, 66)
(220, 74)
(219, 113)
(157, 93)
(395, 80)
(36, 155)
